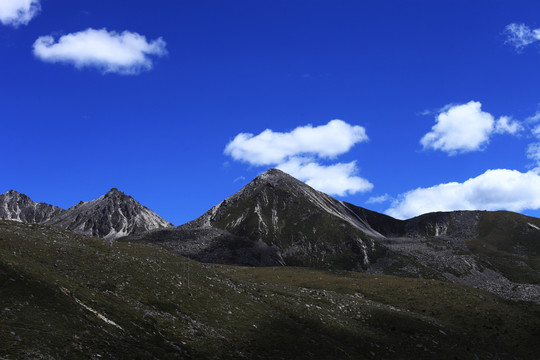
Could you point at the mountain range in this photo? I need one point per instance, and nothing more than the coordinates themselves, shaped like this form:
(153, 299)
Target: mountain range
(277, 220)
(110, 216)
(321, 279)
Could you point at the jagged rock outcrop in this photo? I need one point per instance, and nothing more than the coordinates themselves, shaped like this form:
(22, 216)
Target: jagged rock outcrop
(19, 207)
(110, 216)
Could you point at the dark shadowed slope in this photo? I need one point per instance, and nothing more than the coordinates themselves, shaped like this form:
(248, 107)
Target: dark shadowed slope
(69, 296)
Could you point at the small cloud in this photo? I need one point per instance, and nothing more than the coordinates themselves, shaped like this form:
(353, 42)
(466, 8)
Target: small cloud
(18, 12)
(378, 199)
(506, 125)
(533, 152)
(336, 179)
(520, 35)
(534, 118)
(498, 189)
(240, 178)
(465, 128)
(425, 112)
(125, 53)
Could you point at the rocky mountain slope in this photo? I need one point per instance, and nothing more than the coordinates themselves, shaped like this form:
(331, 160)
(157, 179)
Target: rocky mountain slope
(70, 296)
(278, 220)
(110, 216)
(19, 207)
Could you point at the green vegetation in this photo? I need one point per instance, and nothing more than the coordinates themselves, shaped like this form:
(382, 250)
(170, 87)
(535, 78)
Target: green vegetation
(69, 296)
(510, 244)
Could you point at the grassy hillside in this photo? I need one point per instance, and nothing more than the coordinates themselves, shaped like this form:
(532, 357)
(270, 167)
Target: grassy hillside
(510, 242)
(69, 296)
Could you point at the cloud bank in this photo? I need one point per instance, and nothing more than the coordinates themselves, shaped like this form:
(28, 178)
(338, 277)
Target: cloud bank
(300, 151)
(18, 12)
(499, 189)
(465, 128)
(124, 53)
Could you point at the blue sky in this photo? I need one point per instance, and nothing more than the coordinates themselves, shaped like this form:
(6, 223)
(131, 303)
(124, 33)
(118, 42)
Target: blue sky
(398, 106)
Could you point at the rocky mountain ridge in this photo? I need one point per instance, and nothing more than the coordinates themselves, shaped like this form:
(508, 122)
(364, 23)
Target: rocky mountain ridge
(19, 207)
(110, 216)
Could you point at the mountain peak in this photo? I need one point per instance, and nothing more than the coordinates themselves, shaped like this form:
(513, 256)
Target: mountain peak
(13, 193)
(115, 191)
(275, 177)
(110, 216)
(274, 174)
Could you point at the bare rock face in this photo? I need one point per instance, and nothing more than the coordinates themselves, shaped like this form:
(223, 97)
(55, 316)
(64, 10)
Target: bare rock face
(19, 207)
(110, 216)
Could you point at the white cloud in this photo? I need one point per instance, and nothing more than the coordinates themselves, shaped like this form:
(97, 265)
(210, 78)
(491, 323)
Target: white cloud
(109, 51)
(269, 147)
(378, 199)
(300, 152)
(506, 125)
(18, 12)
(520, 35)
(336, 179)
(534, 118)
(464, 128)
(533, 152)
(536, 131)
(499, 189)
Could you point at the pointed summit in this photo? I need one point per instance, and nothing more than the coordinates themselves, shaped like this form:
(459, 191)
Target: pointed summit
(110, 216)
(275, 176)
(115, 191)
